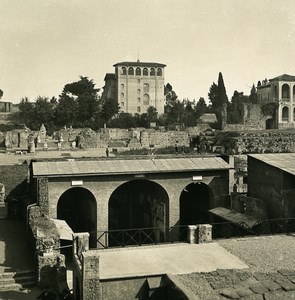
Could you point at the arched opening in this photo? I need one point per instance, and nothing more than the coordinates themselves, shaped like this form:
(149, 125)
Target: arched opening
(195, 201)
(152, 73)
(159, 72)
(294, 114)
(123, 71)
(285, 91)
(138, 71)
(138, 204)
(130, 71)
(77, 206)
(293, 92)
(145, 72)
(146, 99)
(285, 114)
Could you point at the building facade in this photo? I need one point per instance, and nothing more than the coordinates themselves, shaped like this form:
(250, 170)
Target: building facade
(136, 86)
(280, 90)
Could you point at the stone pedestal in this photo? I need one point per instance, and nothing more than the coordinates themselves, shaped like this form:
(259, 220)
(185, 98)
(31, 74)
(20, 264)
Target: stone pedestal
(191, 234)
(198, 234)
(204, 233)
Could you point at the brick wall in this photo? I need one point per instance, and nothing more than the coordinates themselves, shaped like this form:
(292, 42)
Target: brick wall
(12, 176)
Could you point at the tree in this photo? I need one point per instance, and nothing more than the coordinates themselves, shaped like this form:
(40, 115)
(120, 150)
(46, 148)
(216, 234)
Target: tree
(213, 96)
(253, 95)
(25, 113)
(235, 109)
(84, 93)
(151, 114)
(170, 97)
(221, 92)
(66, 110)
(109, 109)
(201, 107)
(1, 93)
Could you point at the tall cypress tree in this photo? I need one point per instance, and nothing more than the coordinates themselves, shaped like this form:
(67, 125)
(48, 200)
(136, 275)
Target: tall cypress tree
(221, 92)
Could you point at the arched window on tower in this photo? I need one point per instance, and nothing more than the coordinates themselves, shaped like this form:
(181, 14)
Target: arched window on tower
(145, 72)
(152, 73)
(285, 114)
(123, 71)
(138, 109)
(138, 72)
(146, 88)
(294, 114)
(146, 99)
(130, 71)
(159, 72)
(286, 92)
(293, 92)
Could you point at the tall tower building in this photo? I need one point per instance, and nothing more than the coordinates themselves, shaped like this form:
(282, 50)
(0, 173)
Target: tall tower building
(138, 85)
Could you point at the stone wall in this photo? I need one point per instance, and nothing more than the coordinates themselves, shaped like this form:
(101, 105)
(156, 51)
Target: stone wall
(268, 141)
(12, 177)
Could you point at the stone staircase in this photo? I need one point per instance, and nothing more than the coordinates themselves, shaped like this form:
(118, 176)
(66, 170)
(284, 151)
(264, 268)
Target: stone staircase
(14, 281)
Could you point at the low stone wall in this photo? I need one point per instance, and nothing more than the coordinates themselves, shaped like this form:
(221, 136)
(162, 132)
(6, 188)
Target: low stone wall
(268, 141)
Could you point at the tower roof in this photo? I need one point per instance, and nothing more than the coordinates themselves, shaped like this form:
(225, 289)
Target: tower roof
(140, 64)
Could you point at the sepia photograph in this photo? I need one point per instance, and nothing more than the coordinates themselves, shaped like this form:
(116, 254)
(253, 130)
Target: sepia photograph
(147, 149)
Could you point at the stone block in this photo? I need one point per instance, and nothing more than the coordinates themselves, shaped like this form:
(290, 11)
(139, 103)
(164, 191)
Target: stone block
(243, 291)
(229, 293)
(271, 285)
(204, 233)
(258, 288)
(191, 234)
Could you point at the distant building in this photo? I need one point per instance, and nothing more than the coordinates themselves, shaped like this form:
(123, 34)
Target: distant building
(280, 90)
(6, 109)
(136, 86)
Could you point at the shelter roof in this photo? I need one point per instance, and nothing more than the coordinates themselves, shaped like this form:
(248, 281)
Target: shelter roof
(283, 161)
(125, 166)
(237, 218)
(140, 64)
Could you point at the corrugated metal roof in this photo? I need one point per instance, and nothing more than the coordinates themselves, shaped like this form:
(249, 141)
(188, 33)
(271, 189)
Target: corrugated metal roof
(135, 166)
(283, 161)
(237, 218)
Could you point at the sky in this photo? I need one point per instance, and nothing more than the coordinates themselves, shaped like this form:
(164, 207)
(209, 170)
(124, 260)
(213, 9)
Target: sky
(47, 44)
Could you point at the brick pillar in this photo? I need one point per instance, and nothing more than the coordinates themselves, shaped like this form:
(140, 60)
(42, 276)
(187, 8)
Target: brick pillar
(42, 195)
(90, 276)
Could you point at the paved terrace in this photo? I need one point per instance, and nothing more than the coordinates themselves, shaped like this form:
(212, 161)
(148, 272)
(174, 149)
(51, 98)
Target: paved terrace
(270, 276)
(176, 258)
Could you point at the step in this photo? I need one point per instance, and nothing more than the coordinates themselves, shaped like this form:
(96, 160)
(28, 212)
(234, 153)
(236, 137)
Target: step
(14, 281)
(21, 280)
(16, 274)
(17, 286)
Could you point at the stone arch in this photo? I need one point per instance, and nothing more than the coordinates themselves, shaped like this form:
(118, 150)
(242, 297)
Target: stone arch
(123, 71)
(145, 72)
(152, 72)
(195, 201)
(78, 207)
(285, 114)
(138, 203)
(285, 91)
(130, 71)
(138, 72)
(159, 72)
